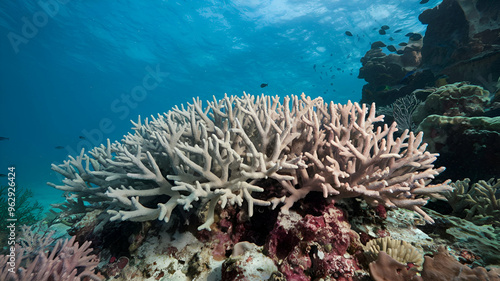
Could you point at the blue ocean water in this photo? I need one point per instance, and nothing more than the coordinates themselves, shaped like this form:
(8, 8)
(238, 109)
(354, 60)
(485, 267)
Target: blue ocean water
(73, 73)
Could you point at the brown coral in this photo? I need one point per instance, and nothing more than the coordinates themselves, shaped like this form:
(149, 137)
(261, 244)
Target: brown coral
(441, 267)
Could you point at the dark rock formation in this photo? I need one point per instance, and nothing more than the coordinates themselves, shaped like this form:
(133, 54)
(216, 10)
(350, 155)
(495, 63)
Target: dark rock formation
(392, 76)
(467, 146)
(462, 41)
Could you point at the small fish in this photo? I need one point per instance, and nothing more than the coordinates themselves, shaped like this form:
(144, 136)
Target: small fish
(348, 33)
(408, 74)
(402, 44)
(331, 84)
(415, 37)
(391, 48)
(391, 39)
(59, 147)
(3, 175)
(82, 137)
(409, 34)
(331, 55)
(381, 32)
(263, 85)
(441, 80)
(339, 69)
(314, 67)
(383, 88)
(400, 52)
(397, 30)
(424, 1)
(3, 138)
(384, 27)
(378, 44)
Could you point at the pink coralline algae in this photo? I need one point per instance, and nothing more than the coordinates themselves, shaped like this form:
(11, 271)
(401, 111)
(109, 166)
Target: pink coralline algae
(310, 247)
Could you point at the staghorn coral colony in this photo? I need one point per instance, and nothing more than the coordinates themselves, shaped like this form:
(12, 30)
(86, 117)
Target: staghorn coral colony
(223, 153)
(255, 188)
(296, 188)
(259, 188)
(219, 163)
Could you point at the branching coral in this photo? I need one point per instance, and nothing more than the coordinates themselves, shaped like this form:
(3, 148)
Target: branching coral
(478, 201)
(67, 261)
(229, 152)
(34, 239)
(456, 197)
(484, 202)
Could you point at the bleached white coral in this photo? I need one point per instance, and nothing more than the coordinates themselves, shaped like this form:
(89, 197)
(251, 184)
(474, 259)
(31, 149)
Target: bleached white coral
(239, 150)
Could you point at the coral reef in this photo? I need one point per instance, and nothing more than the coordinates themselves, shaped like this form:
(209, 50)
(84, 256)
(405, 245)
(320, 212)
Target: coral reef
(34, 239)
(461, 117)
(401, 111)
(247, 263)
(66, 261)
(393, 76)
(399, 250)
(456, 198)
(479, 136)
(312, 247)
(459, 99)
(443, 267)
(440, 267)
(169, 252)
(252, 151)
(477, 202)
(460, 44)
(386, 268)
(462, 40)
(460, 234)
(381, 69)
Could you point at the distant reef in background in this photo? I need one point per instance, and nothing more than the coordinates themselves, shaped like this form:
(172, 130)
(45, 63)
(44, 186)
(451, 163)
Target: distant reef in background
(447, 84)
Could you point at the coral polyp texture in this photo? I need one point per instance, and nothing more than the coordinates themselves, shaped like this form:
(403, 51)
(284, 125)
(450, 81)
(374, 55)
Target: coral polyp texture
(252, 150)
